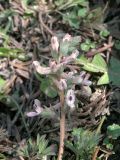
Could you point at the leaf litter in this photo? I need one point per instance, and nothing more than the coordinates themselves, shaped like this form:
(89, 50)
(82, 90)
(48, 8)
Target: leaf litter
(25, 36)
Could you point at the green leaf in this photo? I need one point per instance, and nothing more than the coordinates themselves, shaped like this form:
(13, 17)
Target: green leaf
(73, 22)
(64, 48)
(97, 65)
(85, 47)
(13, 53)
(106, 141)
(104, 33)
(92, 45)
(75, 41)
(83, 142)
(114, 71)
(104, 79)
(82, 12)
(99, 62)
(113, 131)
(109, 146)
(46, 87)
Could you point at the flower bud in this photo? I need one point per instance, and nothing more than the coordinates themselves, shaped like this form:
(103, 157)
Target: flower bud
(74, 54)
(61, 85)
(37, 109)
(54, 43)
(67, 37)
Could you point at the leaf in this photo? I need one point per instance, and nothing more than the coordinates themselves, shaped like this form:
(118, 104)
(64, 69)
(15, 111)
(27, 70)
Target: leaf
(99, 61)
(75, 41)
(13, 53)
(104, 79)
(92, 45)
(48, 113)
(97, 65)
(104, 33)
(46, 87)
(113, 131)
(109, 146)
(64, 48)
(114, 71)
(85, 47)
(82, 12)
(71, 18)
(74, 22)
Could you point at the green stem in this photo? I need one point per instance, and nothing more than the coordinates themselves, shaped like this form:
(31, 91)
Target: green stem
(100, 125)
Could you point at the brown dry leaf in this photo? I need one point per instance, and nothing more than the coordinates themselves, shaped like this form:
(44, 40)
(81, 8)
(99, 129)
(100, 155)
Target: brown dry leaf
(23, 73)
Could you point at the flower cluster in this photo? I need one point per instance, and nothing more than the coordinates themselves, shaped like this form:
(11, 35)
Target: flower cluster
(64, 54)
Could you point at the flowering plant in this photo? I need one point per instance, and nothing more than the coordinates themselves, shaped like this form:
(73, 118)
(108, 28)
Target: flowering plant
(62, 76)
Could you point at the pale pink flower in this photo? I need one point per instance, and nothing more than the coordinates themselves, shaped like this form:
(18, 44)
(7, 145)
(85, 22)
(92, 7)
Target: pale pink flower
(55, 43)
(37, 109)
(67, 37)
(87, 82)
(70, 98)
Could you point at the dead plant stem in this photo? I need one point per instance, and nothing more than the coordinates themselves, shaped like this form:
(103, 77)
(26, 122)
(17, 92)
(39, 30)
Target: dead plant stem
(102, 49)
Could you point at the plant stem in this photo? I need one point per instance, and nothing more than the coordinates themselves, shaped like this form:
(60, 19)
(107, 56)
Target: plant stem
(100, 125)
(62, 126)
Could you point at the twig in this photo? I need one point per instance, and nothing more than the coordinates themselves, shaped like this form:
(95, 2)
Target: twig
(45, 26)
(92, 53)
(21, 158)
(62, 127)
(95, 153)
(107, 153)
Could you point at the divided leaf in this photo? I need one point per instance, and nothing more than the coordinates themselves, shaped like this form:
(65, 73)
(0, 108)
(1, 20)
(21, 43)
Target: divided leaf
(113, 131)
